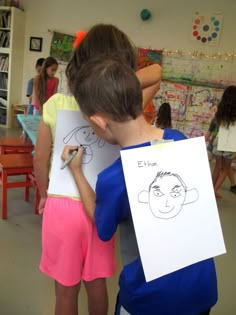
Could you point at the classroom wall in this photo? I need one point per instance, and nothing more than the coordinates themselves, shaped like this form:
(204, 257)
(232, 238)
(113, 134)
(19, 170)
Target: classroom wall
(170, 26)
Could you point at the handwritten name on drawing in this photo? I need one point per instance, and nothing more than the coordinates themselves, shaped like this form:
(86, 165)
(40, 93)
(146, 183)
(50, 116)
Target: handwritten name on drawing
(146, 164)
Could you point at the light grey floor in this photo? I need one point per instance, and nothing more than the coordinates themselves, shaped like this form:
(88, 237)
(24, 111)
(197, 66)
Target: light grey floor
(24, 290)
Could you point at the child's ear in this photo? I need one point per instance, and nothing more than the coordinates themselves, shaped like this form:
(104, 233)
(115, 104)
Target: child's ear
(99, 120)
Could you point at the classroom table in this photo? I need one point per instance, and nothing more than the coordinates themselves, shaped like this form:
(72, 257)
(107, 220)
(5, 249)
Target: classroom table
(30, 125)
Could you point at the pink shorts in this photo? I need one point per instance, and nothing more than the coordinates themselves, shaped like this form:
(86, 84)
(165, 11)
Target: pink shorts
(71, 248)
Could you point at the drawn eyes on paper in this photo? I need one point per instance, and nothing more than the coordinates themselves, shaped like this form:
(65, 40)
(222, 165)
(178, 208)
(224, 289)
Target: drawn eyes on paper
(166, 195)
(173, 192)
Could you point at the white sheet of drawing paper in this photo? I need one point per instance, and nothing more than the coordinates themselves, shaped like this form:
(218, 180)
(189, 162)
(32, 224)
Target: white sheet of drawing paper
(226, 141)
(177, 222)
(72, 129)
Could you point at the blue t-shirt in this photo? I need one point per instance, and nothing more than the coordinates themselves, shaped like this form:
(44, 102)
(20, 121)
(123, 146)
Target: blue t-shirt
(188, 291)
(29, 89)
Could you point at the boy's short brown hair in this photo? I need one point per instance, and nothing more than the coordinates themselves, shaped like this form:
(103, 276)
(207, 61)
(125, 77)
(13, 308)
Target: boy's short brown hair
(105, 84)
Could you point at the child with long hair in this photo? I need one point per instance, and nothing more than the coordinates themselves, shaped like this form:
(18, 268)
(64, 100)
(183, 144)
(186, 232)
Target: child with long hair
(71, 249)
(45, 84)
(210, 137)
(97, 42)
(225, 116)
(163, 119)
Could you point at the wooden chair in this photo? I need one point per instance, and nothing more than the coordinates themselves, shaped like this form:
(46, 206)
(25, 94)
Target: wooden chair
(15, 145)
(13, 165)
(17, 109)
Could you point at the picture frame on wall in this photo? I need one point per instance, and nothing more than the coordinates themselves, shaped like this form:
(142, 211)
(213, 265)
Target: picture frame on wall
(36, 43)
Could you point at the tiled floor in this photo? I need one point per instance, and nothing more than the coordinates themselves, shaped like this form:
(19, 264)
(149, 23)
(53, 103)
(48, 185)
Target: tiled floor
(24, 290)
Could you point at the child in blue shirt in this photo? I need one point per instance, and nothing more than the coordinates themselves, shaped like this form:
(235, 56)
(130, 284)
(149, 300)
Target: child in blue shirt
(110, 99)
(30, 85)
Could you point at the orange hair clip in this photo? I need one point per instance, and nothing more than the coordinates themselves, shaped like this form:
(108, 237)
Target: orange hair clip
(79, 36)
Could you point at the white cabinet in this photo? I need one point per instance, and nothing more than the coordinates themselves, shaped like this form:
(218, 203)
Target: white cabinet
(12, 27)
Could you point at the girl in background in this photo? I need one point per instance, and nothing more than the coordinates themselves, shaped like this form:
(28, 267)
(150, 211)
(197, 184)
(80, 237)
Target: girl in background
(163, 119)
(210, 137)
(225, 116)
(45, 84)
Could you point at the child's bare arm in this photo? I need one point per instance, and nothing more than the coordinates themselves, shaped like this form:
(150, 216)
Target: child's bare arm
(36, 92)
(42, 159)
(86, 192)
(150, 79)
(207, 136)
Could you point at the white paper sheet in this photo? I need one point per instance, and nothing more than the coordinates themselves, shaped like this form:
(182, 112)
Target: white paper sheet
(176, 222)
(72, 129)
(227, 139)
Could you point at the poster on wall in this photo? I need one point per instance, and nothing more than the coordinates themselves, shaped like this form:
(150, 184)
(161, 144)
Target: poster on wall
(61, 46)
(207, 27)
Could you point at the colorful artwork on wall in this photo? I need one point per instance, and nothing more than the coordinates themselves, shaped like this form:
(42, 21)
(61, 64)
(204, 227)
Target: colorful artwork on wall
(61, 46)
(148, 57)
(193, 107)
(206, 28)
(218, 72)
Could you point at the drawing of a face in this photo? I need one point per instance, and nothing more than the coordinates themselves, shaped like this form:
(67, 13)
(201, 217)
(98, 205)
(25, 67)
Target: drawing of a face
(86, 135)
(166, 196)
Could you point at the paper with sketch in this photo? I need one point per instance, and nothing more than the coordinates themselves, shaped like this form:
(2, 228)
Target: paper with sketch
(173, 205)
(72, 129)
(226, 140)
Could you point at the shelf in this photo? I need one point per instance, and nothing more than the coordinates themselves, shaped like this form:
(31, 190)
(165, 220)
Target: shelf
(4, 50)
(3, 8)
(12, 28)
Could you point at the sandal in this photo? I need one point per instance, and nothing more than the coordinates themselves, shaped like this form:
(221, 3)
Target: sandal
(233, 189)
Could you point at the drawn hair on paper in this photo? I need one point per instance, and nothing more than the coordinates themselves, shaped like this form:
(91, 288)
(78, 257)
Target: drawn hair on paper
(85, 136)
(167, 195)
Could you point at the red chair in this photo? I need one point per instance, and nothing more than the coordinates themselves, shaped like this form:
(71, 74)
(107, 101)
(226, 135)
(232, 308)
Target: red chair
(15, 145)
(13, 165)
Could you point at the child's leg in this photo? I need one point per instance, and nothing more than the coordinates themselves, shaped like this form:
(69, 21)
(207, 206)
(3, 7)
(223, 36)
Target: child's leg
(217, 169)
(231, 176)
(66, 299)
(226, 165)
(97, 296)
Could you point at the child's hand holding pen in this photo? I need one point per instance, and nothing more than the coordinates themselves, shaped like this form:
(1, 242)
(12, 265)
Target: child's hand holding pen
(72, 157)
